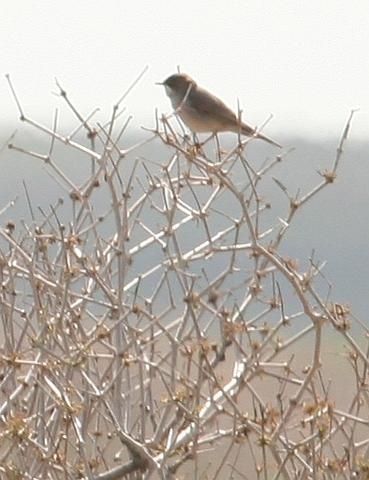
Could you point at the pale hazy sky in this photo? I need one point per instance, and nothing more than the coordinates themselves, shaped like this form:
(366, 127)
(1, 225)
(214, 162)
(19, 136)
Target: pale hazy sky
(306, 62)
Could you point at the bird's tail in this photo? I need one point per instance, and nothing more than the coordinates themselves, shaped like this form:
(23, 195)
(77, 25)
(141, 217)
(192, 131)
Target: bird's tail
(250, 132)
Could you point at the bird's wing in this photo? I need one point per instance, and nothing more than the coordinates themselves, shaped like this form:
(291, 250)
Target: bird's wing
(206, 103)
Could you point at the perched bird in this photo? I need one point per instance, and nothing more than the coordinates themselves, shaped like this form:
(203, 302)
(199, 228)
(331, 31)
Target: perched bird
(202, 111)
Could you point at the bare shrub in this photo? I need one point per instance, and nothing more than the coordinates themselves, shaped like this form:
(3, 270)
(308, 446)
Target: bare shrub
(151, 326)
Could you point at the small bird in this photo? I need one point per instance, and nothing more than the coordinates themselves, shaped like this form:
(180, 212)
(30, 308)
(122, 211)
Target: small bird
(202, 111)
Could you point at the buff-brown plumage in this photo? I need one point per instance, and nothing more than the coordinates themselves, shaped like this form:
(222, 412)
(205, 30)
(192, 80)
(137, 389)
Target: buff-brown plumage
(202, 111)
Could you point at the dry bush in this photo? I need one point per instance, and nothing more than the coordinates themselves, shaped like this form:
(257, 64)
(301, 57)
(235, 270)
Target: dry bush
(152, 328)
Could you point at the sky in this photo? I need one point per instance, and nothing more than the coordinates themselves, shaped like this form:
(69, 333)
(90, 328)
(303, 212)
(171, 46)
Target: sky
(305, 62)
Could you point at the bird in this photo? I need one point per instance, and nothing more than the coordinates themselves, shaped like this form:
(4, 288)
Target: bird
(202, 111)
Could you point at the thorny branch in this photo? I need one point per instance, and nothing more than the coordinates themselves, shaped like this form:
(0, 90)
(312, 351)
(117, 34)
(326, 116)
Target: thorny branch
(150, 325)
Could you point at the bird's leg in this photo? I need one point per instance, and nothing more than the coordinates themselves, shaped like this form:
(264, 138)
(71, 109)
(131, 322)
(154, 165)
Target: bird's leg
(201, 144)
(195, 147)
(196, 143)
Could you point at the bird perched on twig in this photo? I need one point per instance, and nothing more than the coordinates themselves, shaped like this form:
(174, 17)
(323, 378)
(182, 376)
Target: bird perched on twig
(202, 111)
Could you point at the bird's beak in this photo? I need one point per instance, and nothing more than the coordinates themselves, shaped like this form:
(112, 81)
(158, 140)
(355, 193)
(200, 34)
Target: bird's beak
(159, 83)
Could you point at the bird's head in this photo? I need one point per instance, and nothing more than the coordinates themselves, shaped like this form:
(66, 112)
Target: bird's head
(178, 85)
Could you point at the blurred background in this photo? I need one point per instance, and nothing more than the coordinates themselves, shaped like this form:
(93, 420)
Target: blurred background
(304, 62)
